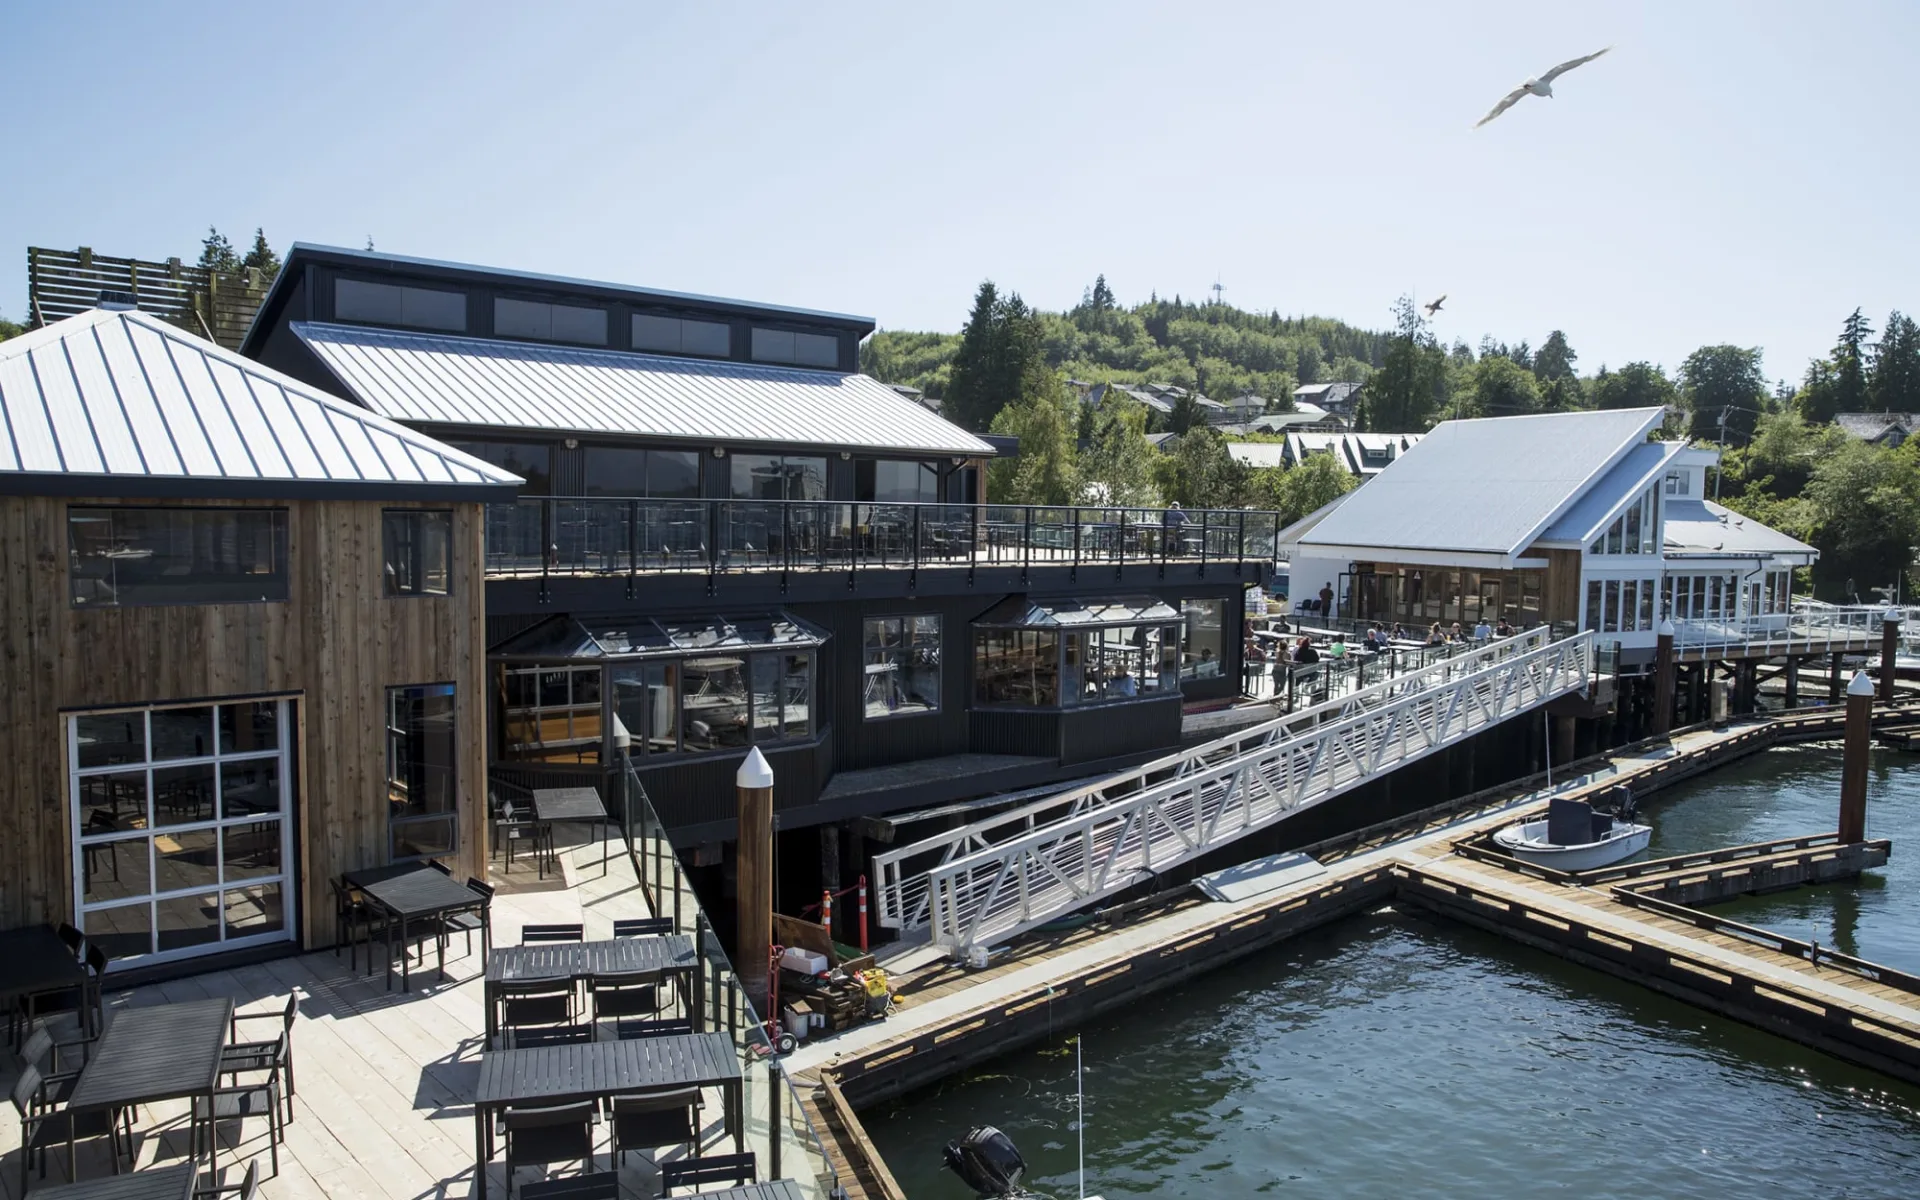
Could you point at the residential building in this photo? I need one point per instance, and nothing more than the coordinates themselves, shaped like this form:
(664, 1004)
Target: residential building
(1339, 399)
(1888, 429)
(1362, 454)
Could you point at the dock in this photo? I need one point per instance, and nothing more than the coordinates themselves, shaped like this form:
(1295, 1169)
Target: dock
(1633, 921)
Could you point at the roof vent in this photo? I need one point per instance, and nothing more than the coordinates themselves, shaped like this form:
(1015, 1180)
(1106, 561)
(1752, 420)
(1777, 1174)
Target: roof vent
(116, 301)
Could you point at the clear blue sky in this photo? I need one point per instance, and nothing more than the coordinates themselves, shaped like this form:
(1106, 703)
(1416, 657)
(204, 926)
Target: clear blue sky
(1738, 172)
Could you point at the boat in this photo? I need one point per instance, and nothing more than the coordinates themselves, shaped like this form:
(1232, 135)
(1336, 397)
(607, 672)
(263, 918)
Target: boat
(1573, 837)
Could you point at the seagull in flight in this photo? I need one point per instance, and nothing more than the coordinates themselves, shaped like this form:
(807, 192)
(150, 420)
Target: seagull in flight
(1434, 307)
(1542, 86)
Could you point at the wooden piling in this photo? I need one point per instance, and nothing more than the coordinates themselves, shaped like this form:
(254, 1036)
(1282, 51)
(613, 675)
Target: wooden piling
(753, 784)
(1853, 768)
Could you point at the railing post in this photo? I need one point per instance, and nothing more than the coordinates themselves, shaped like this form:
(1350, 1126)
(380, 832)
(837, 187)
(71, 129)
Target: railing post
(699, 1005)
(633, 542)
(773, 1114)
(1240, 546)
(1026, 549)
(916, 538)
(1076, 540)
(1204, 514)
(1122, 535)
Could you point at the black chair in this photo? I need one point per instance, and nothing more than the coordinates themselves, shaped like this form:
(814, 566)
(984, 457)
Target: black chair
(514, 830)
(42, 1127)
(633, 994)
(551, 1035)
(353, 916)
(75, 940)
(734, 1170)
(538, 1137)
(531, 934)
(441, 867)
(239, 1104)
(247, 1189)
(534, 1003)
(642, 926)
(627, 1031)
(42, 1052)
(90, 1018)
(273, 1057)
(648, 1122)
(467, 922)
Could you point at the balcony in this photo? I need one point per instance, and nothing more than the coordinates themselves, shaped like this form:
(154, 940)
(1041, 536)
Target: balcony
(553, 536)
(1808, 629)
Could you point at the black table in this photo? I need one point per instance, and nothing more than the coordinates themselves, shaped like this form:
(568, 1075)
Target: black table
(573, 804)
(548, 1075)
(39, 961)
(772, 1189)
(167, 1052)
(161, 1183)
(412, 892)
(667, 953)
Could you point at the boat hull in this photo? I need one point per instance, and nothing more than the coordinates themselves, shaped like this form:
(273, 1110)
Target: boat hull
(1528, 843)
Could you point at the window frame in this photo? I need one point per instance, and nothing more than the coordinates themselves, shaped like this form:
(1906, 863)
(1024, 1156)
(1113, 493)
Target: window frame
(390, 577)
(451, 816)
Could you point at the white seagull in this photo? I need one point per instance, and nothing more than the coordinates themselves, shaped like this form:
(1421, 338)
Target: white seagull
(1542, 86)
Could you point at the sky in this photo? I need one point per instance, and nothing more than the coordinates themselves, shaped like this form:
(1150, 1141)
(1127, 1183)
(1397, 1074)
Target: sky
(1730, 172)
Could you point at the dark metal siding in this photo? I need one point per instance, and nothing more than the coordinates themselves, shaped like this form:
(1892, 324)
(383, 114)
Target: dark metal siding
(1114, 730)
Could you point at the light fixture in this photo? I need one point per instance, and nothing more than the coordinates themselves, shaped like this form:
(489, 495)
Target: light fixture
(846, 456)
(572, 443)
(719, 451)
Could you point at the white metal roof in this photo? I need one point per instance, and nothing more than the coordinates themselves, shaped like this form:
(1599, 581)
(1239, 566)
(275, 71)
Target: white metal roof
(1704, 528)
(440, 379)
(1490, 485)
(116, 402)
(1629, 477)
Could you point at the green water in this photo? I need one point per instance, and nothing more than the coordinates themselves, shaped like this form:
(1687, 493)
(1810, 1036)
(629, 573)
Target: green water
(1395, 1056)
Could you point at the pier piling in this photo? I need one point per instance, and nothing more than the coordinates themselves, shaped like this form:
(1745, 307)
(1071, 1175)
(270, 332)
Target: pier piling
(1853, 767)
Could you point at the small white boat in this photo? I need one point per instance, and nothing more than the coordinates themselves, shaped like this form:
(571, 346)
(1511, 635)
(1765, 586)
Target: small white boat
(1573, 837)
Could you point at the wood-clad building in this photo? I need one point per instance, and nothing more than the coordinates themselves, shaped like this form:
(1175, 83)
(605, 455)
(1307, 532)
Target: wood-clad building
(243, 643)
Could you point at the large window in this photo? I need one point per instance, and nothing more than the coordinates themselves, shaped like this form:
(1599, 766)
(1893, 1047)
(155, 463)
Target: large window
(626, 471)
(799, 349)
(1061, 653)
(182, 838)
(902, 659)
(894, 481)
(396, 304)
(124, 556)
(422, 743)
(1634, 531)
(1016, 667)
(418, 546)
(778, 477)
(531, 461)
(1202, 642)
(682, 335)
(553, 714)
(549, 322)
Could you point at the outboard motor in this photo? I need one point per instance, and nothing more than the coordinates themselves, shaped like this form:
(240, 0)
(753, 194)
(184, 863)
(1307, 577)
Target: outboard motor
(987, 1161)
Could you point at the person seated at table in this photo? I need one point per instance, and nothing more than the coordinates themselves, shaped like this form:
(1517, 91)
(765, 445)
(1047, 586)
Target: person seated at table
(1174, 519)
(1456, 634)
(1124, 684)
(1339, 647)
(1503, 629)
(1399, 633)
(1207, 667)
(1303, 651)
(1435, 635)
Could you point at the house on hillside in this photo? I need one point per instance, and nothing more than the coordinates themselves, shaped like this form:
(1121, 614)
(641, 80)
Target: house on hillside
(1887, 429)
(1582, 520)
(1339, 399)
(1160, 399)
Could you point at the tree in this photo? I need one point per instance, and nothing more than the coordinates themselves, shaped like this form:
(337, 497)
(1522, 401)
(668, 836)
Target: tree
(1866, 513)
(977, 388)
(1102, 294)
(261, 257)
(216, 253)
(1555, 359)
(1895, 383)
(1636, 385)
(1502, 388)
(1724, 381)
(10, 329)
(1313, 484)
(1410, 386)
(1117, 467)
(1200, 472)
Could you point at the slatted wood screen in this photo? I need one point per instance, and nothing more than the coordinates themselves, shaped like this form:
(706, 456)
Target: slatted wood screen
(61, 283)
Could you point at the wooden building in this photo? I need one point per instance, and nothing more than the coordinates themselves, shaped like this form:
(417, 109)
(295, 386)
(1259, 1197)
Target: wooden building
(242, 646)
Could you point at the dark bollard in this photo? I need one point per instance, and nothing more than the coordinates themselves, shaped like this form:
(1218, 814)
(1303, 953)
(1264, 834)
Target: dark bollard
(1889, 647)
(1853, 769)
(1663, 681)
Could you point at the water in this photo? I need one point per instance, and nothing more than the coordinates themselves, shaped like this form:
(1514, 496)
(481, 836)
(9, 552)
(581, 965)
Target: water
(1396, 1056)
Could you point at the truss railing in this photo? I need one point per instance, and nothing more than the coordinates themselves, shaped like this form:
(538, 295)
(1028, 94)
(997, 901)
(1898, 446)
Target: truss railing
(1809, 629)
(906, 875)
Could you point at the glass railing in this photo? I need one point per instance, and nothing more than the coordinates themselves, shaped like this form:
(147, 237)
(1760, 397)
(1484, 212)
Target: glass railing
(778, 1129)
(543, 536)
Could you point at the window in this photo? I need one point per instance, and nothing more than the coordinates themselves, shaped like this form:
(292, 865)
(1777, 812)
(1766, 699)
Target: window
(1594, 594)
(902, 657)
(181, 831)
(1678, 483)
(1202, 645)
(893, 481)
(553, 714)
(395, 304)
(777, 477)
(1063, 652)
(682, 335)
(1016, 666)
(419, 551)
(529, 460)
(799, 349)
(1646, 623)
(623, 471)
(126, 556)
(1118, 661)
(422, 745)
(549, 322)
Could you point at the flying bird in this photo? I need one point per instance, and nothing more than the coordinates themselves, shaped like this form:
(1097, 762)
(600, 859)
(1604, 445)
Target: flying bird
(1434, 307)
(1542, 86)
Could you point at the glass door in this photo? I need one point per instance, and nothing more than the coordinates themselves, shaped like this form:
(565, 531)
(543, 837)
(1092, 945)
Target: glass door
(182, 823)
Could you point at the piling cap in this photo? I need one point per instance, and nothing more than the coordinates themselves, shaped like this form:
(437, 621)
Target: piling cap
(1666, 629)
(1862, 685)
(1893, 616)
(754, 771)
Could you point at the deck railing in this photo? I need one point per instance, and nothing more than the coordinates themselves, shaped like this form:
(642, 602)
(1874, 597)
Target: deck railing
(1810, 629)
(599, 536)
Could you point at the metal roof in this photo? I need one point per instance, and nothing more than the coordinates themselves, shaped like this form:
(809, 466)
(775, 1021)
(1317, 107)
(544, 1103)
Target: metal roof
(1594, 511)
(1486, 486)
(1701, 527)
(116, 402)
(1259, 454)
(447, 380)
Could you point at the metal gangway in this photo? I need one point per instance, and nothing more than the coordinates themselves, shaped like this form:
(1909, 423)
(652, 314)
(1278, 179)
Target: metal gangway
(1014, 871)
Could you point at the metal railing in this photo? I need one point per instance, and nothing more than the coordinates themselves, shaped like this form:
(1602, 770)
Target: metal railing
(1012, 872)
(599, 536)
(1808, 629)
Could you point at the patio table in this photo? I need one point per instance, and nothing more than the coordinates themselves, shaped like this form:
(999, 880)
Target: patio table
(412, 892)
(668, 953)
(147, 1055)
(580, 804)
(161, 1183)
(772, 1189)
(550, 1075)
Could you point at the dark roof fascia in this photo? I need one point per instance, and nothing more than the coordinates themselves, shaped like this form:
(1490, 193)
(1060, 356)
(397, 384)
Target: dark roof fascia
(304, 254)
(177, 487)
(601, 437)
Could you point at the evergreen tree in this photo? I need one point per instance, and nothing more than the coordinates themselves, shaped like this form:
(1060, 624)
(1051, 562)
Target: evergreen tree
(1636, 385)
(1724, 382)
(1410, 386)
(1895, 383)
(1502, 388)
(1102, 294)
(976, 387)
(1850, 364)
(216, 253)
(1555, 359)
(261, 257)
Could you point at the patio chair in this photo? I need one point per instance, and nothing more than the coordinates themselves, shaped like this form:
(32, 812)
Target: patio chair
(247, 1189)
(42, 1052)
(439, 866)
(92, 1018)
(517, 831)
(531, 934)
(634, 994)
(75, 940)
(642, 926)
(42, 1127)
(734, 1170)
(353, 916)
(467, 922)
(270, 1057)
(655, 1119)
(239, 1104)
(626, 1031)
(551, 1035)
(538, 1137)
(535, 1002)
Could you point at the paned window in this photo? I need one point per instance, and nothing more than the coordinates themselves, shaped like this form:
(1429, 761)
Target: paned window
(902, 659)
(422, 742)
(418, 546)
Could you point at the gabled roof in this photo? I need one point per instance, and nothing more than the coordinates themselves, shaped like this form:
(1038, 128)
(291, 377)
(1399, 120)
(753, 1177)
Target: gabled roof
(441, 379)
(1486, 486)
(116, 402)
(1629, 477)
(1873, 426)
(1705, 528)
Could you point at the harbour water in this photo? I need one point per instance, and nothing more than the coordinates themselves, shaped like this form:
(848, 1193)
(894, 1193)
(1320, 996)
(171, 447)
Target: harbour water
(1398, 1056)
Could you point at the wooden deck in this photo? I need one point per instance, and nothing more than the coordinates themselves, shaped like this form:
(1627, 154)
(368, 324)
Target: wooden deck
(385, 1080)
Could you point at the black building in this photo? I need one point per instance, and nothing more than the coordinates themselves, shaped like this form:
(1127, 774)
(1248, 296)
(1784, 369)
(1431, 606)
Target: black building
(729, 537)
